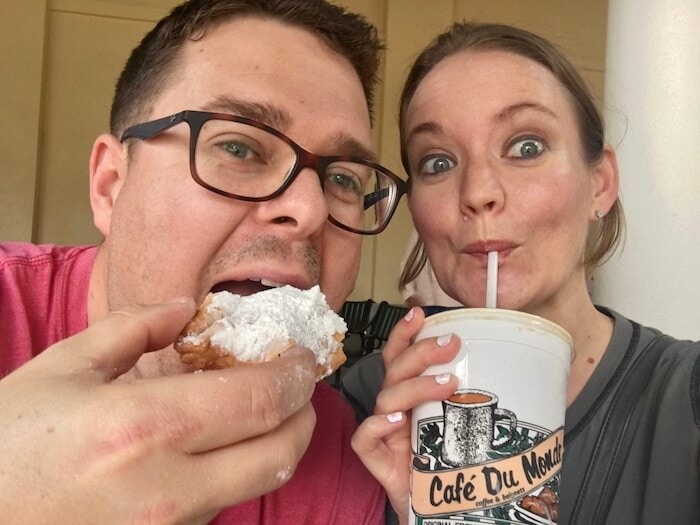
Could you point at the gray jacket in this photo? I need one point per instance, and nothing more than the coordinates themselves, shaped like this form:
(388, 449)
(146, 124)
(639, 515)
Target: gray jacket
(660, 477)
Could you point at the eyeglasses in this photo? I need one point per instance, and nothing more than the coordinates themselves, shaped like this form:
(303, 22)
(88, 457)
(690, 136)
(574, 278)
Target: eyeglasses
(249, 161)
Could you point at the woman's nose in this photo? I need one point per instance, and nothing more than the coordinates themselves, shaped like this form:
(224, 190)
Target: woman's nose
(481, 190)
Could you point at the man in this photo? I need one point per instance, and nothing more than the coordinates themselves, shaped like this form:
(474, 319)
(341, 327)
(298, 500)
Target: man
(201, 186)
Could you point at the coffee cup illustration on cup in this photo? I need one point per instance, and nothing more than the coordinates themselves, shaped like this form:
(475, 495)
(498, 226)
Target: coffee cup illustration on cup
(470, 418)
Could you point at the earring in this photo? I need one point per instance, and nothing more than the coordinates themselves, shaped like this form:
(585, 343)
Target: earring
(599, 214)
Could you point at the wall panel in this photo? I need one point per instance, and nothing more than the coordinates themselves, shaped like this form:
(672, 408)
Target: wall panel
(87, 52)
(22, 41)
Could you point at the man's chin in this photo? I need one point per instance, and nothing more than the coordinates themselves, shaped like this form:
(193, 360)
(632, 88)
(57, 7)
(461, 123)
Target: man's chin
(165, 362)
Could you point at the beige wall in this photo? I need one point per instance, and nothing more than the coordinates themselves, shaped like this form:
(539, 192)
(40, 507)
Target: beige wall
(66, 55)
(22, 41)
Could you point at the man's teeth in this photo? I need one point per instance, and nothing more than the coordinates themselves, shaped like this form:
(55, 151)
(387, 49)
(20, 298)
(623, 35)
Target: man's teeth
(271, 284)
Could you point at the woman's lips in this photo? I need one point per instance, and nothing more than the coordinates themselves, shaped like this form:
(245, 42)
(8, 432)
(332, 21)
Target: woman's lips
(480, 250)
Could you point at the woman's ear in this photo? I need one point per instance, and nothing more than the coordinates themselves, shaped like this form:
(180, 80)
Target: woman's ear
(606, 183)
(107, 171)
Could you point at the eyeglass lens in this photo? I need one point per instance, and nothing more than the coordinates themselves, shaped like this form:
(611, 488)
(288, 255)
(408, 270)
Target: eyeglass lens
(246, 161)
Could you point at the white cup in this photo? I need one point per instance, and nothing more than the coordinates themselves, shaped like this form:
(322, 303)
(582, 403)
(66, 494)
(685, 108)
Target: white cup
(494, 449)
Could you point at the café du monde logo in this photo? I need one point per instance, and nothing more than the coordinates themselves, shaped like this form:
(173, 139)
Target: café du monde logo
(476, 460)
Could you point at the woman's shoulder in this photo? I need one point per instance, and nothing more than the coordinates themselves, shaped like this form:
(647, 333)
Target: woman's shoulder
(641, 335)
(661, 366)
(675, 378)
(362, 382)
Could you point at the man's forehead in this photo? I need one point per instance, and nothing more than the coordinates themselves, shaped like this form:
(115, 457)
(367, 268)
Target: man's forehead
(288, 79)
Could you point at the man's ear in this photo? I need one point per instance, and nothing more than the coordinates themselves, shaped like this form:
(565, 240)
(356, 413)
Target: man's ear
(606, 183)
(107, 171)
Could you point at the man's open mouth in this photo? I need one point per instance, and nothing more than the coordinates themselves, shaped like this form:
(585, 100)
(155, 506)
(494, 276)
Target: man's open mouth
(247, 287)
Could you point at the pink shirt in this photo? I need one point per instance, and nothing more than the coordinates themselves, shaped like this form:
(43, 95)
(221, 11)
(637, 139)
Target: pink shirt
(43, 299)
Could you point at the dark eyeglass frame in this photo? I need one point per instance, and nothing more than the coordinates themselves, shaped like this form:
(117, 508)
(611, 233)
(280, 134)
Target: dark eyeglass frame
(304, 159)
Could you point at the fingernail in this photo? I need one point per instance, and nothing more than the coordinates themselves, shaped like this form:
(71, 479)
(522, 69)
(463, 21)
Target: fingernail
(409, 315)
(443, 379)
(444, 340)
(394, 417)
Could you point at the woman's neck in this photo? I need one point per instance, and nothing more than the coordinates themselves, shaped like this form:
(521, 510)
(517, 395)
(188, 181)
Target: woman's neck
(590, 331)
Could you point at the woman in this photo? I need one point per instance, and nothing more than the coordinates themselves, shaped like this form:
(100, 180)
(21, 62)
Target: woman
(500, 130)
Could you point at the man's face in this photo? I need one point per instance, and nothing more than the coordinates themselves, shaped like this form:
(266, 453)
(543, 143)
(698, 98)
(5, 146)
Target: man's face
(169, 237)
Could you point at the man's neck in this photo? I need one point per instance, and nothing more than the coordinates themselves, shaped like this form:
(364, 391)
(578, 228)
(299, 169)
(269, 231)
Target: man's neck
(154, 364)
(97, 305)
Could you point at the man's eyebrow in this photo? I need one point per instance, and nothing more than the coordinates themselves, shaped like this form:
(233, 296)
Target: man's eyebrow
(279, 119)
(265, 113)
(510, 111)
(343, 144)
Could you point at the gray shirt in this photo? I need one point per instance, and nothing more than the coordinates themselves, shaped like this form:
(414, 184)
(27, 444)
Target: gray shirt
(660, 480)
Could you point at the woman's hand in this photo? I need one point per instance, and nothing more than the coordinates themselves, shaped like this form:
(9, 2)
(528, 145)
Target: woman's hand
(78, 447)
(383, 441)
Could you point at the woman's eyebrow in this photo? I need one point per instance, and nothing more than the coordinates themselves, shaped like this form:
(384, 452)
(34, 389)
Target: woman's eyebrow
(424, 127)
(510, 111)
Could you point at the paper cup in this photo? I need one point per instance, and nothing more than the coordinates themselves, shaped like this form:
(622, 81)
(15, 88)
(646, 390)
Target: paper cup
(493, 451)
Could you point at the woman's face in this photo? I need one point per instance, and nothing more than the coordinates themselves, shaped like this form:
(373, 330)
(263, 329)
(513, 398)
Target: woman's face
(496, 165)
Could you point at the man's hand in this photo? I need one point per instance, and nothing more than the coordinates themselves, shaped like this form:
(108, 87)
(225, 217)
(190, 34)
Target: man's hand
(79, 448)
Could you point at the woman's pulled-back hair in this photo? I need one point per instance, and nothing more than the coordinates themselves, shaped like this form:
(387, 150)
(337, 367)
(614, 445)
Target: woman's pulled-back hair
(467, 36)
(154, 61)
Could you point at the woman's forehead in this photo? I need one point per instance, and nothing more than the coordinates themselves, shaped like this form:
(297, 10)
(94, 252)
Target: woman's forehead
(486, 82)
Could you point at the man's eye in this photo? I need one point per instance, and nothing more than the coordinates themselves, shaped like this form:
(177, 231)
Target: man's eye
(526, 149)
(345, 181)
(238, 149)
(434, 165)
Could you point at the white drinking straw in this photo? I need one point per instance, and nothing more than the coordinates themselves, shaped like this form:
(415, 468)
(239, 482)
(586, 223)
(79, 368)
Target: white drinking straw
(492, 280)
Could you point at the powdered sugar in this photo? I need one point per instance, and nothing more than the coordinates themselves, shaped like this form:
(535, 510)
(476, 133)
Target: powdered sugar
(268, 321)
(284, 474)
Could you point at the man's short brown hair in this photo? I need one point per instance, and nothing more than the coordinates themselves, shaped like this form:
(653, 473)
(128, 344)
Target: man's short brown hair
(154, 61)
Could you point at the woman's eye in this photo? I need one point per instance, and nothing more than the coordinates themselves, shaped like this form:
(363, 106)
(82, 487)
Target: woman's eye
(435, 165)
(526, 149)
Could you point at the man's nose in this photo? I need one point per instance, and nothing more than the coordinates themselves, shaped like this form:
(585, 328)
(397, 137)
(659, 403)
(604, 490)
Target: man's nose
(302, 204)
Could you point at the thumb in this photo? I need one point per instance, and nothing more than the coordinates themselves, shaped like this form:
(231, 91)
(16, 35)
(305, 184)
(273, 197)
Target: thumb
(112, 346)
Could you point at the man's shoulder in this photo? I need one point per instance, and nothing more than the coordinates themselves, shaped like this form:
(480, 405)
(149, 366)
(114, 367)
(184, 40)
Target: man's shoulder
(32, 268)
(27, 255)
(43, 297)
(327, 399)
(330, 484)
